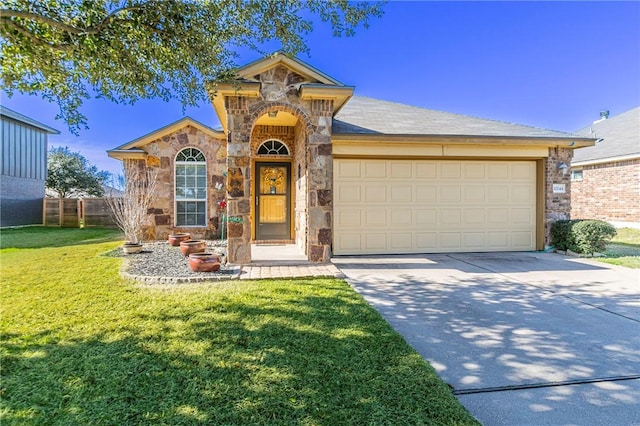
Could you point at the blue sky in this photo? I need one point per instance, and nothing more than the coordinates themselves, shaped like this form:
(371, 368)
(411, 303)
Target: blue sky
(546, 64)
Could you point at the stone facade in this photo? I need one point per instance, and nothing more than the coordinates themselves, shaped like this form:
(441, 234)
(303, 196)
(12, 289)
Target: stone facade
(557, 205)
(608, 191)
(162, 153)
(310, 143)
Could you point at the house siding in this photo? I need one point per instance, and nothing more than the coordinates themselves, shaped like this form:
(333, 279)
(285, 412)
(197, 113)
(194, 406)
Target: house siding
(23, 173)
(608, 191)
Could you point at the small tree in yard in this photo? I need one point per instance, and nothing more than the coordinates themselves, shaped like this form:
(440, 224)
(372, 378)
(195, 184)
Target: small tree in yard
(69, 174)
(130, 209)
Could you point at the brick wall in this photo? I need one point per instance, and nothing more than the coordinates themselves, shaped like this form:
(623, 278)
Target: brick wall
(20, 200)
(609, 191)
(557, 205)
(284, 134)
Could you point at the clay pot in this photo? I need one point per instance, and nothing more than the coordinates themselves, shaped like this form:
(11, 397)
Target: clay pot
(131, 248)
(192, 246)
(204, 262)
(176, 239)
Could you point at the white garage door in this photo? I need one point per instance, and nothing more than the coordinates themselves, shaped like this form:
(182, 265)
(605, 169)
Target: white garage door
(433, 206)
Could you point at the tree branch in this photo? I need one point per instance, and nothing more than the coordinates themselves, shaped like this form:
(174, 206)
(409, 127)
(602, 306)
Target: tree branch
(35, 39)
(8, 14)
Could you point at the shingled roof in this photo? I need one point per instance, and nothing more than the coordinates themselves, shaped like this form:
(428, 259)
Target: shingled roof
(363, 115)
(617, 136)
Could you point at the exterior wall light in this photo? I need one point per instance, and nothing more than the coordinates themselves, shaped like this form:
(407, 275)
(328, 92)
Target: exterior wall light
(563, 167)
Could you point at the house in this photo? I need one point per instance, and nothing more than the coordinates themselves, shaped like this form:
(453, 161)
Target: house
(605, 178)
(299, 158)
(23, 168)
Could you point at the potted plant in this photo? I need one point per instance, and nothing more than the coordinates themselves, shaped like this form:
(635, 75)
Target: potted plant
(130, 209)
(178, 237)
(192, 246)
(204, 262)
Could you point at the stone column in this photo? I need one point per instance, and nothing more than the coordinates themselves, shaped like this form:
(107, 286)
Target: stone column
(557, 205)
(238, 180)
(320, 184)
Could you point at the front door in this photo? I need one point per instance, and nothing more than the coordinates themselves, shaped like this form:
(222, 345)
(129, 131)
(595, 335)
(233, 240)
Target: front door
(273, 201)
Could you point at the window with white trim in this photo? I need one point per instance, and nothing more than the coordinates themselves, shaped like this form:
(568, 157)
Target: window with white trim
(576, 175)
(273, 147)
(191, 188)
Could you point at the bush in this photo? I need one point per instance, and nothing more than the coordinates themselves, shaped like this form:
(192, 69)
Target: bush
(590, 236)
(561, 233)
(581, 236)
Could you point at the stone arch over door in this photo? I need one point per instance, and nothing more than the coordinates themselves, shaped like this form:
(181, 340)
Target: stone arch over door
(295, 137)
(311, 171)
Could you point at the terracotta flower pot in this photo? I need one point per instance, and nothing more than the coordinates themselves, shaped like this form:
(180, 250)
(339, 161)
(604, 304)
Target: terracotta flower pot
(131, 248)
(192, 246)
(204, 262)
(176, 239)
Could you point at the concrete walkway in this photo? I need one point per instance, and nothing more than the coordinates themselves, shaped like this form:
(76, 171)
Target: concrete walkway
(283, 261)
(523, 338)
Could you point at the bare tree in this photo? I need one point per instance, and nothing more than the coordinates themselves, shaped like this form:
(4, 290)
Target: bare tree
(130, 209)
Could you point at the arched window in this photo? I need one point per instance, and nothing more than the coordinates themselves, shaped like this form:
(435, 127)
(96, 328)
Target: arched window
(191, 188)
(273, 147)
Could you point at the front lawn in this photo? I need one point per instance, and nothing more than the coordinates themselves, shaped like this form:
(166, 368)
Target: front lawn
(624, 249)
(80, 345)
(40, 236)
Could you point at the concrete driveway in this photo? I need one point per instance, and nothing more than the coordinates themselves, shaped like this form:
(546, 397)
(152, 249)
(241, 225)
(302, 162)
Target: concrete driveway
(523, 338)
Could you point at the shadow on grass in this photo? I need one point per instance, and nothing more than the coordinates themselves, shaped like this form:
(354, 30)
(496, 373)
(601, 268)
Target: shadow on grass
(622, 249)
(315, 359)
(40, 236)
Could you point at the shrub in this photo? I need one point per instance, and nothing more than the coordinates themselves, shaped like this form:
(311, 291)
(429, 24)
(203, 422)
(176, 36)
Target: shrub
(590, 236)
(561, 233)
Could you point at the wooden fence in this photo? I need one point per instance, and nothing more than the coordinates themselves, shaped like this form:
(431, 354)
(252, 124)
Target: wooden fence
(77, 212)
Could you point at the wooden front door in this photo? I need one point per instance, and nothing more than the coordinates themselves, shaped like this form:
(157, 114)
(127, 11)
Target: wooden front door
(273, 201)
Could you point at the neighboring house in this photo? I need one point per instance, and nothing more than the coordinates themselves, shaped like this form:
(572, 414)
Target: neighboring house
(23, 168)
(605, 178)
(301, 159)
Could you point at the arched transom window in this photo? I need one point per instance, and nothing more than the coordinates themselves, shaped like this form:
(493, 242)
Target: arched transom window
(273, 147)
(191, 188)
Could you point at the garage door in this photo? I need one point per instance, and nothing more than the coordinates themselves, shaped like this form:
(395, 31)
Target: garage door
(432, 206)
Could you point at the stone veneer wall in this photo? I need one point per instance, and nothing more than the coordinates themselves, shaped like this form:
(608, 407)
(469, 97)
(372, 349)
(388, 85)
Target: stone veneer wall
(608, 191)
(557, 206)
(162, 153)
(300, 167)
(279, 92)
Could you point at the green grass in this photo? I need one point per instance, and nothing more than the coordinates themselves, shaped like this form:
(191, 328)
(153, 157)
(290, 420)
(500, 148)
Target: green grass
(624, 249)
(40, 236)
(80, 345)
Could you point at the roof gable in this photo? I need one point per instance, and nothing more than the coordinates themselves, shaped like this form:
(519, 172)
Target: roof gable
(167, 130)
(308, 73)
(617, 137)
